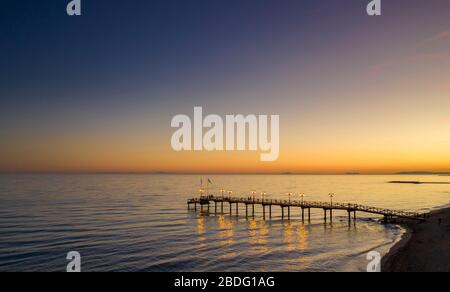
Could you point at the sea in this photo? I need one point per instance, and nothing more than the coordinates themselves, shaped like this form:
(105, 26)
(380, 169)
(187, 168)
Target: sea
(141, 223)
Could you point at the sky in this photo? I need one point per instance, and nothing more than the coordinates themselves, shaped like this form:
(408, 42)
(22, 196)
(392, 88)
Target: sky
(97, 93)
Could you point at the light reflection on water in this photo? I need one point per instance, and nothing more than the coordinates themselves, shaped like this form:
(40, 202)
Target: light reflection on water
(141, 223)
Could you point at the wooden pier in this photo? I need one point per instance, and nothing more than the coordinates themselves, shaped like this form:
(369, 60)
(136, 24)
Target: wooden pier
(304, 206)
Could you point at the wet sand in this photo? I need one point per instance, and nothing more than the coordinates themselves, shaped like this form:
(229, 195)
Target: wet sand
(425, 248)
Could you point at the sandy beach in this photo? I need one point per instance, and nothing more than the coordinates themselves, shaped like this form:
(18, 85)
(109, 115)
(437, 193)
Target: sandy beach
(425, 248)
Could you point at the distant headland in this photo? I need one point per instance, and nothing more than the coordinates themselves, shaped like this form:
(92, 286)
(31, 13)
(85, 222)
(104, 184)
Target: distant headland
(424, 173)
(419, 182)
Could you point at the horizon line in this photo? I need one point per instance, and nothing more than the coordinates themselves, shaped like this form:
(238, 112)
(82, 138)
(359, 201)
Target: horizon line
(222, 173)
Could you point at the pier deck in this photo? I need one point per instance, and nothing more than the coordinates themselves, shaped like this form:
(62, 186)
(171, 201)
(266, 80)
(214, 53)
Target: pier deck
(286, 205)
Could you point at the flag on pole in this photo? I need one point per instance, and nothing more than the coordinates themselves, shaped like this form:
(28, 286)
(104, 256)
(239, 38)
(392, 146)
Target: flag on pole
(201, 186)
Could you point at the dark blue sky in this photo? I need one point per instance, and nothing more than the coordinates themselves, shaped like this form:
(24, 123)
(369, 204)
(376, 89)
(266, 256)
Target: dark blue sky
(167, 44)
(159, 43)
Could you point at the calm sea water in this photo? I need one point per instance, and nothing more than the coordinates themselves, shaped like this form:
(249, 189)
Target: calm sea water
(141, 223)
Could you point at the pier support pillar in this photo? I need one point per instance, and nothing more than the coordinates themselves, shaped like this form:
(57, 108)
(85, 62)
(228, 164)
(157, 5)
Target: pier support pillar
(354, 216)
(282, 213)
(331, 215)
(231, 210)
(253, 210)
(349, 217)
(325, 215)
(303, 215)
(246, 211)
(264, 212)
(309, 215)
(237, 209)
(222, 207)
(270, 211)
(289, 213)
(215, 208)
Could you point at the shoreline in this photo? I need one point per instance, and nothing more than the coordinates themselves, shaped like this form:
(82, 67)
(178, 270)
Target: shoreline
(424, 247)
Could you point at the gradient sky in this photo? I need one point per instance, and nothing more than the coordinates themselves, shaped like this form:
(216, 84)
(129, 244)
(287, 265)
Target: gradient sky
(98, 92)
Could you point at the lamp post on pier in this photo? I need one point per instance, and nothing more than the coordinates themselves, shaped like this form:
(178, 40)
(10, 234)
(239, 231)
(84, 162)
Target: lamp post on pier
(253, 195)
(331, 199)
(331, 206)
(302, 195)
(263, 194)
